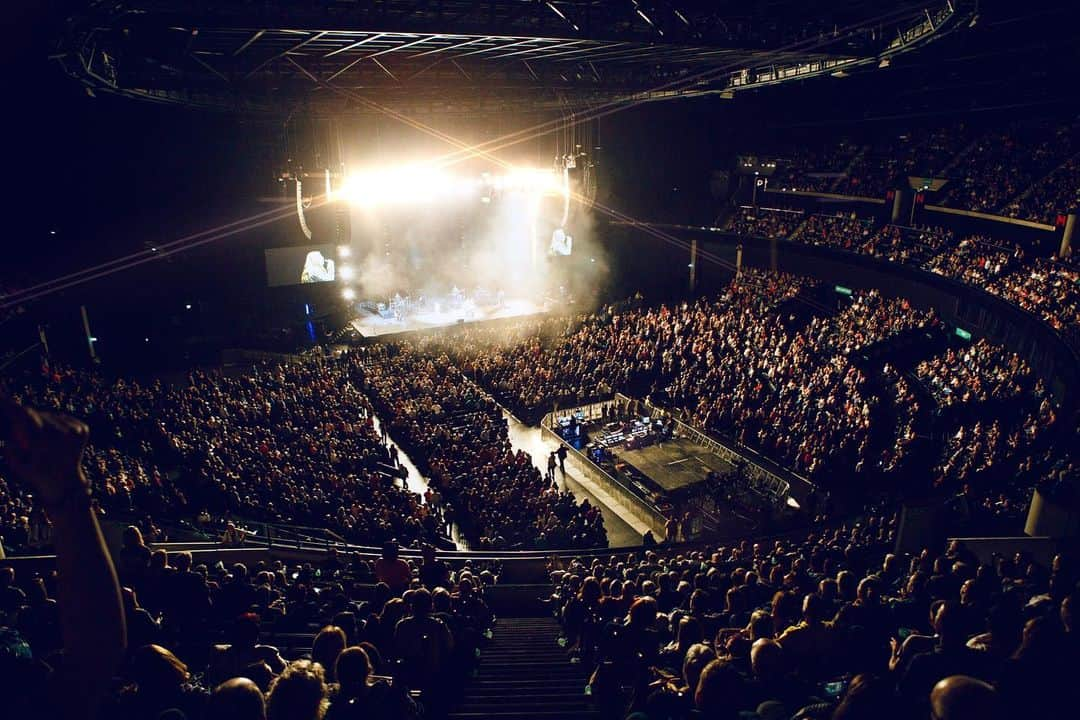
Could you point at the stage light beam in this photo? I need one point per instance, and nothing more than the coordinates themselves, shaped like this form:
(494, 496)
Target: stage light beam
(412, 184)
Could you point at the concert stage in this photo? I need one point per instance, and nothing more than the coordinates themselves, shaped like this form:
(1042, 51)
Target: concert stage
(401, 315)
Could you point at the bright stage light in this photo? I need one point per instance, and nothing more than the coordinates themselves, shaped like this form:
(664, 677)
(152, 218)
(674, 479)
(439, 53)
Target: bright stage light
(344, 251)
(414, 184)
(532, 180)
(348, 294)
(346, 272)
(398, 186)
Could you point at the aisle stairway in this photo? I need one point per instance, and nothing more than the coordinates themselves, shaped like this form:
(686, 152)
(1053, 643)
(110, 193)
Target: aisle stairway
(524, 675)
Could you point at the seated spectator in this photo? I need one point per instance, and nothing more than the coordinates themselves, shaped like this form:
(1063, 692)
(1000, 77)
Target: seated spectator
(236, 699)
(242, 653)
(721, 691)
(160, 682)
(960, 696)
(950, 656)
(360, 696)
(811, 643)
(298, 693)
(325, 648)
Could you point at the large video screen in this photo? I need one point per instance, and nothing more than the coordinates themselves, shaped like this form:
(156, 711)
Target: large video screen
(300, 265)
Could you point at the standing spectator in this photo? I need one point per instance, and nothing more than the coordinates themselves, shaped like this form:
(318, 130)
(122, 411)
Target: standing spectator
(392, 570)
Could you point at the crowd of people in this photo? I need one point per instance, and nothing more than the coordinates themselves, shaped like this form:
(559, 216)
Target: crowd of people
(293, 443)
(997, 424)
(1002, 164)
(1046, 287)
(771, 224)
(297, 443)
(910, 245)
(1058, 192)
(979, 372)
(1027, 169)
(740, 365)
(846, 232)
(976, 260)
(165, 634)
(832, 625)
(1049, 288)
(814, 167)
(458, 435)
(730, 364)
(906, 420)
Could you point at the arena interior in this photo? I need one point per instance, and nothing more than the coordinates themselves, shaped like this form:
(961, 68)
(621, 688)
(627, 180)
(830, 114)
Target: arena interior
(529, 360)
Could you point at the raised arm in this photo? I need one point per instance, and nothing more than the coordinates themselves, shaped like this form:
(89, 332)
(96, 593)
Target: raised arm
(45, 451)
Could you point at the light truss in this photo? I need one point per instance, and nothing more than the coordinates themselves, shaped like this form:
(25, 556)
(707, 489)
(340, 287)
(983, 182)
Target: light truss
(275, 55)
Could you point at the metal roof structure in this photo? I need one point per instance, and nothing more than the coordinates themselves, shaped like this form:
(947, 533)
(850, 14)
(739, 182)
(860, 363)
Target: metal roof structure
(478, 56)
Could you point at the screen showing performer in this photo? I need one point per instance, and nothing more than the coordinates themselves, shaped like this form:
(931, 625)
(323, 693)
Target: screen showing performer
(300, 265)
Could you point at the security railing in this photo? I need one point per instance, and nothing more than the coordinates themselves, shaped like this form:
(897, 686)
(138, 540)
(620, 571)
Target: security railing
(762, 478)
(639, 498)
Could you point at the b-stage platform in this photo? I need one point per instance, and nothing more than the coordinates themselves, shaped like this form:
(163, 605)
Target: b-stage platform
(676, 464)
(669, 469)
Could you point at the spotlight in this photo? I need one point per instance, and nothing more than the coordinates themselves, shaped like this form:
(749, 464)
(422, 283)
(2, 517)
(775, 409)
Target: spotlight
(188, 306)
(344, 251)
(396, 186)
(346, 272)
(349, 294)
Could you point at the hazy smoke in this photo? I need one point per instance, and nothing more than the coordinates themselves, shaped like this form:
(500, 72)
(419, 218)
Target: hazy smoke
(500, 245)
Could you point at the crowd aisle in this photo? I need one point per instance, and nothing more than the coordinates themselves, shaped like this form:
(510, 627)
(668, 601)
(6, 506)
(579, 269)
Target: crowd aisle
(623, 529)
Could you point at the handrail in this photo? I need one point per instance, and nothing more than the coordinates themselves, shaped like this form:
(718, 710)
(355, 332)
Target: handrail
(501, 556)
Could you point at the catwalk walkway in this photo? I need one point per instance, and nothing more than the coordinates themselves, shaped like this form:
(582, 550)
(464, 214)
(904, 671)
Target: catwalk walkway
(621, 532)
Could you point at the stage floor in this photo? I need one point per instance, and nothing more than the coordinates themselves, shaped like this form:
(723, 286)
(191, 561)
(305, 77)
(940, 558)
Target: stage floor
(675, 464)
(373, 325)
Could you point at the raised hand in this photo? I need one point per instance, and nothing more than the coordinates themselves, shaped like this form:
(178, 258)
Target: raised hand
(44, 449)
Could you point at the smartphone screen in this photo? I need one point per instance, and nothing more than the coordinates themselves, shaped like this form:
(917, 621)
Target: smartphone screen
(835, 689)
(384, 678)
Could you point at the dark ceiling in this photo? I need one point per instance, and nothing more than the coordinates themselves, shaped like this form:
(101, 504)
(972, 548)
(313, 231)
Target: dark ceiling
(346, 56)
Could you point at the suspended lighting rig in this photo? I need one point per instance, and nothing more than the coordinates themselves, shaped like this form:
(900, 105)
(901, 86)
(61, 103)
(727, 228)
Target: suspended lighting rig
(470, 56)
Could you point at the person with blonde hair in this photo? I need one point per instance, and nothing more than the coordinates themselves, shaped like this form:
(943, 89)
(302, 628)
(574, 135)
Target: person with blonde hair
(317, 268)
(326, 647)
(298, 693)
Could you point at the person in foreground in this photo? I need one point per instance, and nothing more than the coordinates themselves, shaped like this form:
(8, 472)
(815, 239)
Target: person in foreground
(45, 451)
